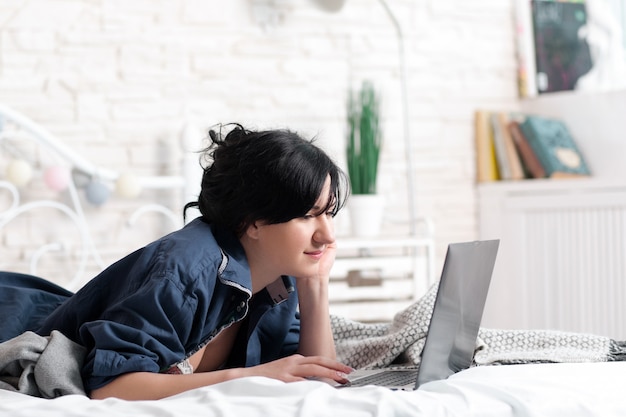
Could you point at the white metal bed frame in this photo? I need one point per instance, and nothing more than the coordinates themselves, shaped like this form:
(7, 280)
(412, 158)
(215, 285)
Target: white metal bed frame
(187, 182)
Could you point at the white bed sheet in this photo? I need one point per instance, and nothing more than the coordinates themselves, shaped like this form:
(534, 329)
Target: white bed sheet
(572, 390)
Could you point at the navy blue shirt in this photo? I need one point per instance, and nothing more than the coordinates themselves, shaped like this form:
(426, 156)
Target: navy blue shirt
(156, 307)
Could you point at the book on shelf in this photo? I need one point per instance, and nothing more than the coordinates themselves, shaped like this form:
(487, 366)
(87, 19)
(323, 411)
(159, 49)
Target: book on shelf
(532, 165)
(486, 165)
(552, 50)
(554, 146)
(516, 171)
(504, 168)
(517, 146)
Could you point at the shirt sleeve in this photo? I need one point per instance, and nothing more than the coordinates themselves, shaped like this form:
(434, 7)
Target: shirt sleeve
(145, 332)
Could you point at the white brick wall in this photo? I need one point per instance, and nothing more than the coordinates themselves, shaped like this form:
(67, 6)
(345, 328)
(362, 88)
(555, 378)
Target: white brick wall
(116, 80)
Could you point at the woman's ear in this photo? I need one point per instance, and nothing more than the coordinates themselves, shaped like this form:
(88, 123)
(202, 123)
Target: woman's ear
(253, 230)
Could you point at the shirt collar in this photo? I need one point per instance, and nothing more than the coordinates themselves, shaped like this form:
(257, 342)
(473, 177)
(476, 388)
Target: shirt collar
(236, 269)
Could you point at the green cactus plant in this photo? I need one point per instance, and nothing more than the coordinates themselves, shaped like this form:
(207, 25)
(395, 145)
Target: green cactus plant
(364, 139)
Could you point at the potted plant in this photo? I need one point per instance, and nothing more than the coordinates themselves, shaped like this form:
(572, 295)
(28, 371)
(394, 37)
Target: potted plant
(363, 154)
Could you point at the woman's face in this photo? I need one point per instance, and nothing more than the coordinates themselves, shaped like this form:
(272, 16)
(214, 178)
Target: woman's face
(300, 246)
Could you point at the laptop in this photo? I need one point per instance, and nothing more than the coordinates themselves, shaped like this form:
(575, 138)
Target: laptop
(455, 321)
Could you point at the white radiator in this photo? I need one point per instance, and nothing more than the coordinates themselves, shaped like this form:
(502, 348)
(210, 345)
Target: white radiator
(562, 261)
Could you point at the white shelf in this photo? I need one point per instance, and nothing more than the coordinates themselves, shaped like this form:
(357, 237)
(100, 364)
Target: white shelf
(372, 311)
(391, 273)
(387, 290)
(385, 265)
(382, 242)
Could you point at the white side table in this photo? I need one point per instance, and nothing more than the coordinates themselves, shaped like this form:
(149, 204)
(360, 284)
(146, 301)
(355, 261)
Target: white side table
(374, 278)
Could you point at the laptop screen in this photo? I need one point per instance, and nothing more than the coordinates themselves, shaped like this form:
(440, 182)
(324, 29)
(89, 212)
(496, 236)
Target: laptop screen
(458, 309)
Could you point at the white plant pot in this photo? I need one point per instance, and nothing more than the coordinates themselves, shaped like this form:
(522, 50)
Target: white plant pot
(366, 214)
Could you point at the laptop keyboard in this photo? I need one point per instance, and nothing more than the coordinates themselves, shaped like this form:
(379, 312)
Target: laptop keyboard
(387, 378)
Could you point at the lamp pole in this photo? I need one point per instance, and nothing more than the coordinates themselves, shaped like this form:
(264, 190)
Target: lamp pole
(336, 5)
(405, 119)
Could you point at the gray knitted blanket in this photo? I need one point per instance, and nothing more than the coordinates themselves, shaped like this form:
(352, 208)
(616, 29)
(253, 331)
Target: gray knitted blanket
(367, 345)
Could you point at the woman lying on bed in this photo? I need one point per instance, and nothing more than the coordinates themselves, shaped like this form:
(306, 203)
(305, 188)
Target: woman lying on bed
(240, 291)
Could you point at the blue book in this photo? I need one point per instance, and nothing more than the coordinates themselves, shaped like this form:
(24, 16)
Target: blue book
(554, 146)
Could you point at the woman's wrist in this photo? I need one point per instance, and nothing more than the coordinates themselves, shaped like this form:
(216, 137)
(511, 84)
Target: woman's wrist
(235, 373)
(312, 292)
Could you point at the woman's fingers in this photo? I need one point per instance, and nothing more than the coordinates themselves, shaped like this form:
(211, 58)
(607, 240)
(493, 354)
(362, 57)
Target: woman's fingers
(323, 368)
(298, 367)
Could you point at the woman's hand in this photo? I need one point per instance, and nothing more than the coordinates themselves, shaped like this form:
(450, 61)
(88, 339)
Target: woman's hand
(327, 261)
(297, 368)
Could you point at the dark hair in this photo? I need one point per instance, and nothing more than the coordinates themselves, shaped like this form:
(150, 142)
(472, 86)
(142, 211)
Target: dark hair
(273, 176)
